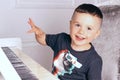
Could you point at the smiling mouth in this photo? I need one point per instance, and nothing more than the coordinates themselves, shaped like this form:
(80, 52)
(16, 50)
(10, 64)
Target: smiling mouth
(79, 38)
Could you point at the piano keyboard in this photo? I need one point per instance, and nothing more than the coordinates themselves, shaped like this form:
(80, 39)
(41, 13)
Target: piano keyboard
(22, 70)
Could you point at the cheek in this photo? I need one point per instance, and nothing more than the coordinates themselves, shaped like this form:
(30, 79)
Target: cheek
(91, 37)
(73, 30)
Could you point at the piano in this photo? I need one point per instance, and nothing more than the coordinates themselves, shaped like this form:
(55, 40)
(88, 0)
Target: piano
(25, 68)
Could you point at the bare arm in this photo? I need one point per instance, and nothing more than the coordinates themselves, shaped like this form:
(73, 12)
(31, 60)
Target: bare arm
(39, 34)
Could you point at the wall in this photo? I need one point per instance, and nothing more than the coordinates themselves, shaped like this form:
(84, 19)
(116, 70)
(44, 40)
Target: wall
(107, 44)
(52, 18)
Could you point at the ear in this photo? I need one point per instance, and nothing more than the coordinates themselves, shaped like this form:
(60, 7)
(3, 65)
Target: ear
(70, 21)
(97, 33)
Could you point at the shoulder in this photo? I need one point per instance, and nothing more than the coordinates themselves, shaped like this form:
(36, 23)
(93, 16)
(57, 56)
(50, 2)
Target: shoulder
(53, 39)
(95, 57)
(58, 36)
(56, 41)
(63, 34)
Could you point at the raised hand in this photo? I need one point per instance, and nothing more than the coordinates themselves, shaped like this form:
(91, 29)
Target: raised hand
(34, 28)
(39, 34)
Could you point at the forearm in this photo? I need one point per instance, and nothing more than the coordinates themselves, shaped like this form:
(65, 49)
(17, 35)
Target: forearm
(41, 38)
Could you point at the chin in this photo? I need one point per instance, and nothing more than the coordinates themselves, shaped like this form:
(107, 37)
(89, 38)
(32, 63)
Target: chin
(79, 44)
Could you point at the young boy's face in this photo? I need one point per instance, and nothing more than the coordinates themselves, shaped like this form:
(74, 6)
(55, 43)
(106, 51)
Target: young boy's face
(84, 28)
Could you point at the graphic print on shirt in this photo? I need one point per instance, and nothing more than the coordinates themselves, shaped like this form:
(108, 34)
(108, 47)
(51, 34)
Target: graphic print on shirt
(65, 62)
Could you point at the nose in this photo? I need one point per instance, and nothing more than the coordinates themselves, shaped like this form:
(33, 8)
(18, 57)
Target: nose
(81, 31)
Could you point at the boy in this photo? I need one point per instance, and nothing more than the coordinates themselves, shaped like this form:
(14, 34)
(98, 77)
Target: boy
(74, 55)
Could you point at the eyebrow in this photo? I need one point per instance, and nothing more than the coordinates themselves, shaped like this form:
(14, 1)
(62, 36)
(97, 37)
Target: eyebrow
(75, 21)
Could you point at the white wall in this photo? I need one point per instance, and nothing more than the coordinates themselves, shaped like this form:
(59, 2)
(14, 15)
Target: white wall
(52, 19)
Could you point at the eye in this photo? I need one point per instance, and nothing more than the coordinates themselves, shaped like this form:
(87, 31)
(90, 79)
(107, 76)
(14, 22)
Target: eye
(89, 28)
(77, 25)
